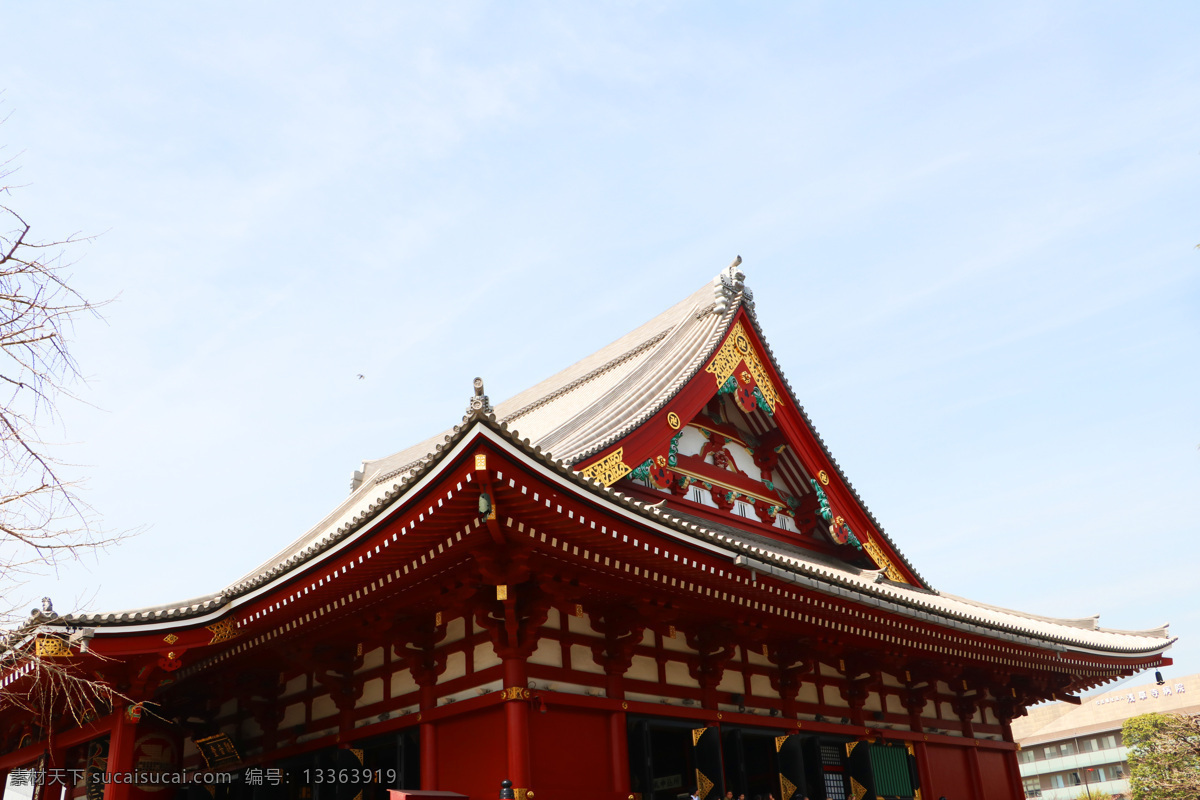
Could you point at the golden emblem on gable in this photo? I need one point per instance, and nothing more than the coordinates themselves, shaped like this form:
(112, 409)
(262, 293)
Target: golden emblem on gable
(609, 469)
(223, 631)
(51, 647)
(674, 421)
(735, 350)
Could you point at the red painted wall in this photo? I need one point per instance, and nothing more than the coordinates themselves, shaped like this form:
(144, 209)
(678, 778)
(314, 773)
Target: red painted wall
(572, 754)
(472, 751)
(997, 785)
(949, 771)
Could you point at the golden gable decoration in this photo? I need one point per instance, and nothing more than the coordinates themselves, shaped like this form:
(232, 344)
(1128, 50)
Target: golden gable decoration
(609, 469)
(884, 563)
(736, 349)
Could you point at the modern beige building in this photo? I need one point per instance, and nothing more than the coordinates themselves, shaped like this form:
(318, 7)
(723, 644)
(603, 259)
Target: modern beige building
(1073, 750)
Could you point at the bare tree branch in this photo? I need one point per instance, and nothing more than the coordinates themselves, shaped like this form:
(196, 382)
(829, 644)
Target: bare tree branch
(43, 519)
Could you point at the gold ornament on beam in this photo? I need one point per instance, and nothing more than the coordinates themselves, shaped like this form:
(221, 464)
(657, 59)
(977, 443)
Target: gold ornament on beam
(223, 631)
(609, 469)
(50, 647)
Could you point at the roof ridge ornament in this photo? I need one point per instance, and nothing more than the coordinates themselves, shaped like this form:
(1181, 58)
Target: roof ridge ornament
(730, 286)
(479, 406)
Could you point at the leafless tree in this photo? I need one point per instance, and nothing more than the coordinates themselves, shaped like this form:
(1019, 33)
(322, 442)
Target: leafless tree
(43, 520)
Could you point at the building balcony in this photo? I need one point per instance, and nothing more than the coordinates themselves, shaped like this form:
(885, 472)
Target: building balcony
(1096, 758)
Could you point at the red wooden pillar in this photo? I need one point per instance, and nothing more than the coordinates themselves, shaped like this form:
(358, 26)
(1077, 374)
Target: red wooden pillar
(1014, 775)
(429, 754)
(619, 744)
(120, 756)
(516, 715)
(975, 775)
(429, 758)
(922, 754)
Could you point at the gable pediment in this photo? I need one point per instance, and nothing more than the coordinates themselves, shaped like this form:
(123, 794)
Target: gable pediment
(733, 447)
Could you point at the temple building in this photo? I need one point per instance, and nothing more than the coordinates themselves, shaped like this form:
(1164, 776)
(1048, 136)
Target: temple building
(644, 576)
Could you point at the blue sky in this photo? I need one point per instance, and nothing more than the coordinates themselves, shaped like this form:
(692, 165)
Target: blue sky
(970, 230)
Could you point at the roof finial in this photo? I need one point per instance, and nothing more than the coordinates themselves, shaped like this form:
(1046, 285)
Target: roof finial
(479, 403)
(729, 285)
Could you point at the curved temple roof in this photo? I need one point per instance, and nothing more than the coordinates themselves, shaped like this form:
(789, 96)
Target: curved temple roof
(581, 410)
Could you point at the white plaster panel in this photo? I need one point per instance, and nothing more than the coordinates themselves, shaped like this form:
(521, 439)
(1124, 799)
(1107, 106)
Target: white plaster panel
(894, 706)
(456, 667)
(296, 684)
(403, 683)
(834, 698)
(582, 660)
(678, 675)
(808, 693)
(760, 686)
(948, 711)
(251, 729)
(227, 708)
(743, 509)
(732, 681)
(457, 629)
(581, 625)
(990, 717)
(648, 637)
(828, 670)
(485, 656)
(575, 688)
(372, 693)
(744, 461)
(292, 715)
(692, 441)
(371, 660)
(323, 706)
(873, 702)
(638, 697)
(553, 620)
(643, 668)
(548, 652)
(944, 688)
(756, 658)
(677, 643)
(891, 680)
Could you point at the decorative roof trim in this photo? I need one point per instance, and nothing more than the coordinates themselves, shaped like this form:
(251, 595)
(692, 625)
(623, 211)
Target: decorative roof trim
(824, 579)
